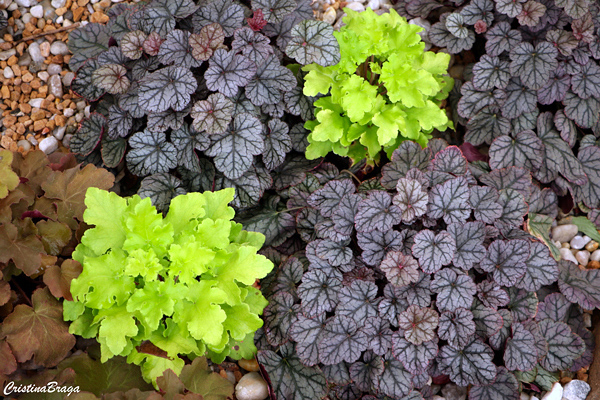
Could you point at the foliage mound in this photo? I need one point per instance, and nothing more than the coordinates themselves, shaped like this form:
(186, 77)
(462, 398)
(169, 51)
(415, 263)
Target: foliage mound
(384, 90)
(41, 221)
(182, 282)
(423, 273)
(182, 90)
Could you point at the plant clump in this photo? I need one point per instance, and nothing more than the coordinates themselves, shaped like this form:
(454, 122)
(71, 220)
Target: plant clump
(198, 97)
(423, 273)
(385, 89)
(181, 284)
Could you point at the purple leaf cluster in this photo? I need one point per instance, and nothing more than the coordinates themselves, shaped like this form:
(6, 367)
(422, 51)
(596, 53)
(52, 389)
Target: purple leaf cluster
(424, 272)
(182, 89)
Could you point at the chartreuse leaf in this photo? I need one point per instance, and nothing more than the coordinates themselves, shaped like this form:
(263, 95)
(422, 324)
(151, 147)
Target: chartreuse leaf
(182, 282)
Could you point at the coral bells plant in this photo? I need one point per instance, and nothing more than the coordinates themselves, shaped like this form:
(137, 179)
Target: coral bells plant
(423, 273)
(182, 283)
(385, 89)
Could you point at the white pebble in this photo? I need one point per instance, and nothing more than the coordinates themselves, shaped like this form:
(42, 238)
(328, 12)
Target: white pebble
(579, 242)
(555, 393)
(524, 396)
(67, 139)
(8, 73)
(564, 233)
(587, 320)
(566, 254)
(329, 15)
(35, 53)
(68, 112)
(436, 397)
(43, 75)
(60, 19)
(26, 3)
(86, 111)
(576, 390)
(26, 18)
(583, 257)
(24, 144)
(59, 132)
(49, 145)
(533, 398)
(5, 55)
(36, 103)
(373, 4)
(68, 78)
(55, 86)
(32, 140)
(595, 255)
(54, 69)
(59, 48)
(251, 387)
(37, 11)
(58, 3)
(356, 6)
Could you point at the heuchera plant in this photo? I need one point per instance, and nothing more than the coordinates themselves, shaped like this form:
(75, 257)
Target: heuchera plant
(423, 273)
(182, 283)
(384, 90)
(181, 88)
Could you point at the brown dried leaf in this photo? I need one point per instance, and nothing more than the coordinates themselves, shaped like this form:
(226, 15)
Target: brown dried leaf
(39, 331)
(24, 251)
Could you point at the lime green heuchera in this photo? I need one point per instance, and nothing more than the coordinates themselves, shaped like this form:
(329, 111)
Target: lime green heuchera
(183, 282)
(386, 89)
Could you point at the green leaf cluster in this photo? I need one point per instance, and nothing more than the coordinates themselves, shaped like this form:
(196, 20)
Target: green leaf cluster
(182, 282)
(385, 89)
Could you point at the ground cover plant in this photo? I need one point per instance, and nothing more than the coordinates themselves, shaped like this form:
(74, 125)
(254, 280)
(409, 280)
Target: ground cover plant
(383, 91)
(423, 273)
(182, 283)
(173, 79)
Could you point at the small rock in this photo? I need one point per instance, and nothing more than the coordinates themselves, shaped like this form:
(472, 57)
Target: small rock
(67, 139)
(251, 387)
(356, 6)
(45, 49)
(454, 392)
(32, 140)
(576, 390)
(555, 393)
(35, 53)
(55, 86)
(26, 3)
(595, 255)
(68, 112)
(43, 75)
(5, 55)
(566, 254)
(49, 145)
(591, 246)
(36, 103)
(59, 48)
(4, 4)
(533, 398)
(565, 245)
(249, 365)
(583, 257)
(68, 78)
(8, 73)
(59, 132)
(564, 233)
(593, 265)
(587, 320)
(54, 69)
(329, 15)
(58, 3)
(579, 242)
(524, 396)
(436, 397)
(230, 377)
(373, 4)
(37, 11)
(24, 144)
(87, 111)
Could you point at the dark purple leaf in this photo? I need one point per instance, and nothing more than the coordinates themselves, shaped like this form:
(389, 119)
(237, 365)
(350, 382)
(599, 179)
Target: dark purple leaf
(343, 216)
(395, 381)
(484, 201)
(512, 8)
(418, 324)
(186, 141)
(176, 50)
(89, 134)
(277, 143)
(492, 295)
(491, 72)
(377, 212)
(524, 150)
(555, 306)
(473, 100)
(319, 291)
(336, 253)
(392, 304)
(379, 335)
(457, 327)
(409, 155)
(515, 178)
(150, 153)
(514, 208)
(433, 251)
(523, 304)
(486, 125)
(357, 300)
(554, 89)
(227, 14)
(290, 378)
(341, 340)
(227, 71)
(415, 358)
(519, 98)
(454, 290)
(471, 365)
(418, 293)
(306, 332)
(274, 10)
(585, 112)
(469, 239)
(478, 10)
(488, 321)
(279, 316)
(520, 351)
(501, 38)
(328, 198)
(567, 128)
(589, 192)
(563, 345)
(366, 374)
(375, 245)
(450, 201)
(498, 339)
(504, 387)
(400, 269)
(441, 36)
(541, 268)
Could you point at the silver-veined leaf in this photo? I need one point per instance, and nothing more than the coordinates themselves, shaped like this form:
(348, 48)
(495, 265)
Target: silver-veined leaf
(400, 269)
(212, 115)
(504, 387)
(150, 153)
(520, 353)
(227, 71)
(418, 323)
(168, 87)
(433, 251)
(415, 358)
(313, 42)
(454, 290)
(564, 346)
(377, 212)
(457, 327)
(505, 260)
(341, 340)
(471, 365)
